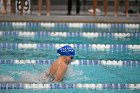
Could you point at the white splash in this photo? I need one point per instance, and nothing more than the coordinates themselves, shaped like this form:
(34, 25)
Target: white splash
(4, 78)
(33, 77)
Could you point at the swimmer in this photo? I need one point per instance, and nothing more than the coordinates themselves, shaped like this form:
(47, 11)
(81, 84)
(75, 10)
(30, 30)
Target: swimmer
(59, 67)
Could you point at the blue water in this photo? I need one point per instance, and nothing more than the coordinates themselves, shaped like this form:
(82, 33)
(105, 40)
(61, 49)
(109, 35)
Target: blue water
(80, 54)
(70, 39)
(71, 91)
(76, 73)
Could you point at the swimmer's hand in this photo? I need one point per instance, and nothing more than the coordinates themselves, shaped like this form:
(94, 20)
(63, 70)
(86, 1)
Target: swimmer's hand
(54, 81)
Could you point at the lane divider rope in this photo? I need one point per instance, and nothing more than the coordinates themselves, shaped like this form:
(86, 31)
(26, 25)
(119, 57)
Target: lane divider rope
(5, 86)
(84, 46)
(76, 62)
(69, 34)
(68, 25)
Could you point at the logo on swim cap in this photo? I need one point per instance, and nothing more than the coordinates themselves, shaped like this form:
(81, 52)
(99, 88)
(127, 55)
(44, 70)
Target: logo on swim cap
(66, 51)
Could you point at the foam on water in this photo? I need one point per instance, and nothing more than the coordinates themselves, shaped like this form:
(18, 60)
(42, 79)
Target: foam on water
(24, 76)
(4, 78)
(36, 76)
(32, 77)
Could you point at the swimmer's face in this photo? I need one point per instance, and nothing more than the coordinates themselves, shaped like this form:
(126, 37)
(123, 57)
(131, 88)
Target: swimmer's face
(70, 58)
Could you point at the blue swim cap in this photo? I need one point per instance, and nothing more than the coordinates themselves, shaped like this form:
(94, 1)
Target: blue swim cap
(66, 51)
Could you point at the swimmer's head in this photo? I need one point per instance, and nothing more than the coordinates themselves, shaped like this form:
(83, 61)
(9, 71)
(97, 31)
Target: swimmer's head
(66, 51)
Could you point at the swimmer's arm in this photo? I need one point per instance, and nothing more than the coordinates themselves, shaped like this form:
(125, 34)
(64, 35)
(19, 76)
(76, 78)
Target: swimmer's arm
(52, 70)
(49, 73)
(60, 73)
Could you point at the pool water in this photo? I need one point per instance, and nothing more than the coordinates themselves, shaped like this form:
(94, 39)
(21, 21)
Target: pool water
(106, 54)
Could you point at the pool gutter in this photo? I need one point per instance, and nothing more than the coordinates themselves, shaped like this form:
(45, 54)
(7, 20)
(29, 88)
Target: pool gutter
(72, 19)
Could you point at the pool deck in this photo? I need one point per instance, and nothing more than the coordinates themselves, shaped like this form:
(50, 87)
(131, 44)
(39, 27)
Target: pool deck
(62, 17)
